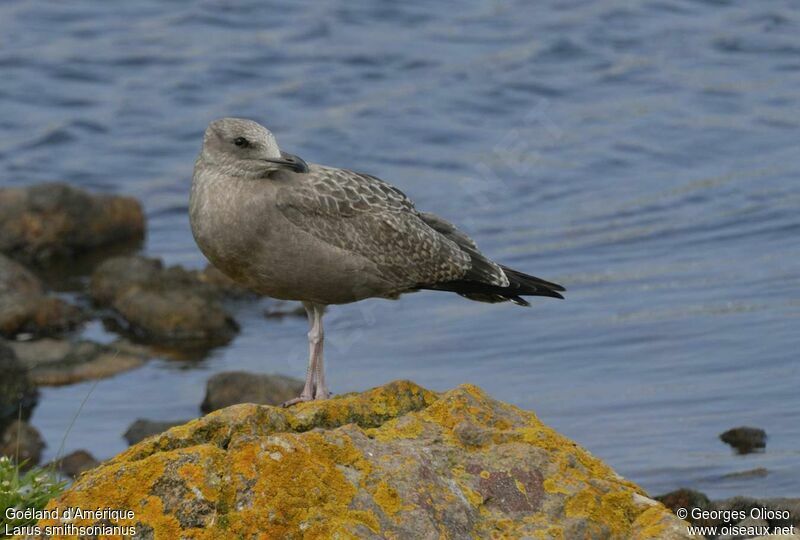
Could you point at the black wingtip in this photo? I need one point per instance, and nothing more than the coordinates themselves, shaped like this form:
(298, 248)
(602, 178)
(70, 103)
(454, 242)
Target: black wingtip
(533, 281)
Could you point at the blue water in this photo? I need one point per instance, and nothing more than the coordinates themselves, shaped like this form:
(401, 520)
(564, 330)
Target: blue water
(645, 154)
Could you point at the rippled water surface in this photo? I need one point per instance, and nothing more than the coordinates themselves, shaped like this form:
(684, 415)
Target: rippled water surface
(645, 154)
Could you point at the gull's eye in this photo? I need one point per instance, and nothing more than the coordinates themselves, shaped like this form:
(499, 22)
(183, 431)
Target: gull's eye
(241, 142)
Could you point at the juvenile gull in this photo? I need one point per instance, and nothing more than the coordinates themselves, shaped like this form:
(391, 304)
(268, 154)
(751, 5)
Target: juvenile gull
(321, 235)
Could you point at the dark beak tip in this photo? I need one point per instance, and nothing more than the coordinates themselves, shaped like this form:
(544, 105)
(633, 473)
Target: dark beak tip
(291, 161)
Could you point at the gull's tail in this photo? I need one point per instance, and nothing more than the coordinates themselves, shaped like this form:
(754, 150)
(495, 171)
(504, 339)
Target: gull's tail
(520, 284)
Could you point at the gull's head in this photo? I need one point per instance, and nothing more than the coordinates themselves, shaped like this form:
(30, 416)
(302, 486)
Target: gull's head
(245, 144)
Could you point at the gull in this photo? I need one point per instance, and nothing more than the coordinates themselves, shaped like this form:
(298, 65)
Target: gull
(322, 235)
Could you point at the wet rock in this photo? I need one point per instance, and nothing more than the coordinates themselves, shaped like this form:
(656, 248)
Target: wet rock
(758, 472)
(382, 464)
(221, 284)
(26, 309)
(777, 512)
(284, 310)
(232, 387)
(161, 305)
(43, 223)
(279, 310)
(21, 441)
(745, 439)
(143, 428)
(52, 362)
(18, 394)
(740, 511)
(75, 463)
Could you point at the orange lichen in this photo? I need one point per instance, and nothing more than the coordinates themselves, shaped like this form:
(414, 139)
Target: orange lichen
(323, 469)
(387, 498)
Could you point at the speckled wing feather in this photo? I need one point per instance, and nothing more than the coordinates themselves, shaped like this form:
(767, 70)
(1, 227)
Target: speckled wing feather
(481, 268)
(368, 217)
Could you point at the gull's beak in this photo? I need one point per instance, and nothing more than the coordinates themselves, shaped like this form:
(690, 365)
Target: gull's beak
(291, 161)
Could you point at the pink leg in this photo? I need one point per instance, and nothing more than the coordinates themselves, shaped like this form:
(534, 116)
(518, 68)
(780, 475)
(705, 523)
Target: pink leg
(314, 354)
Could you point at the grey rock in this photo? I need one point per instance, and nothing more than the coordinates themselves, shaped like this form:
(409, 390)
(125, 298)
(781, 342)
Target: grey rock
(745, 439)
(747, 523)
(18, 394)
(75, 463)
(21, 442)
(46, 222)
(758, 472)
(142, 428)
(747, 504)
(26, 309)
(168, 306)
(232, 387)
(220, 284)
(684, 498)
(52, 362)
(280, 309)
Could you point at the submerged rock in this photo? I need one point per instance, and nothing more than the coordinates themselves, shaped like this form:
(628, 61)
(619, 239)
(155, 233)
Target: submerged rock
(394, 462)
(18, 394)
(142, 428)
(171, 306)
(52, 362)
(745, 440)
(758, 472)
(42, 223)
(26, 309)
(21, 442)
(232, 387)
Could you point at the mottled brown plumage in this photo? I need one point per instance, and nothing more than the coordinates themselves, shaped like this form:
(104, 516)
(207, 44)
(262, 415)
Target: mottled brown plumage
(323, 236)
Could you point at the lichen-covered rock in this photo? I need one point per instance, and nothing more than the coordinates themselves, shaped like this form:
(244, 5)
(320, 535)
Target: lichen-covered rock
(232, 387)
(18, 394)
(394, 462)
(170, 306)
(25, 308)
(46, 222)
(55, 362)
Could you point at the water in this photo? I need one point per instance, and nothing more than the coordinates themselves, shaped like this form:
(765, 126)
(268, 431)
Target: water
(645, 154)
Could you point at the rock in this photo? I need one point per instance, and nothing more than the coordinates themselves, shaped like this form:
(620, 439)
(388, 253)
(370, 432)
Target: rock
(26, 309)
(748, 525)
(143, 428)
(52, 362)
(222, 284)
(684, 498)
(21, 440)
(758, 472)
(75, 463)
(383, 464)
(18, 395)
(232, 387)
(169, 306)
(745, 439)
(279, 310)
(42, 223)
(789, 510)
